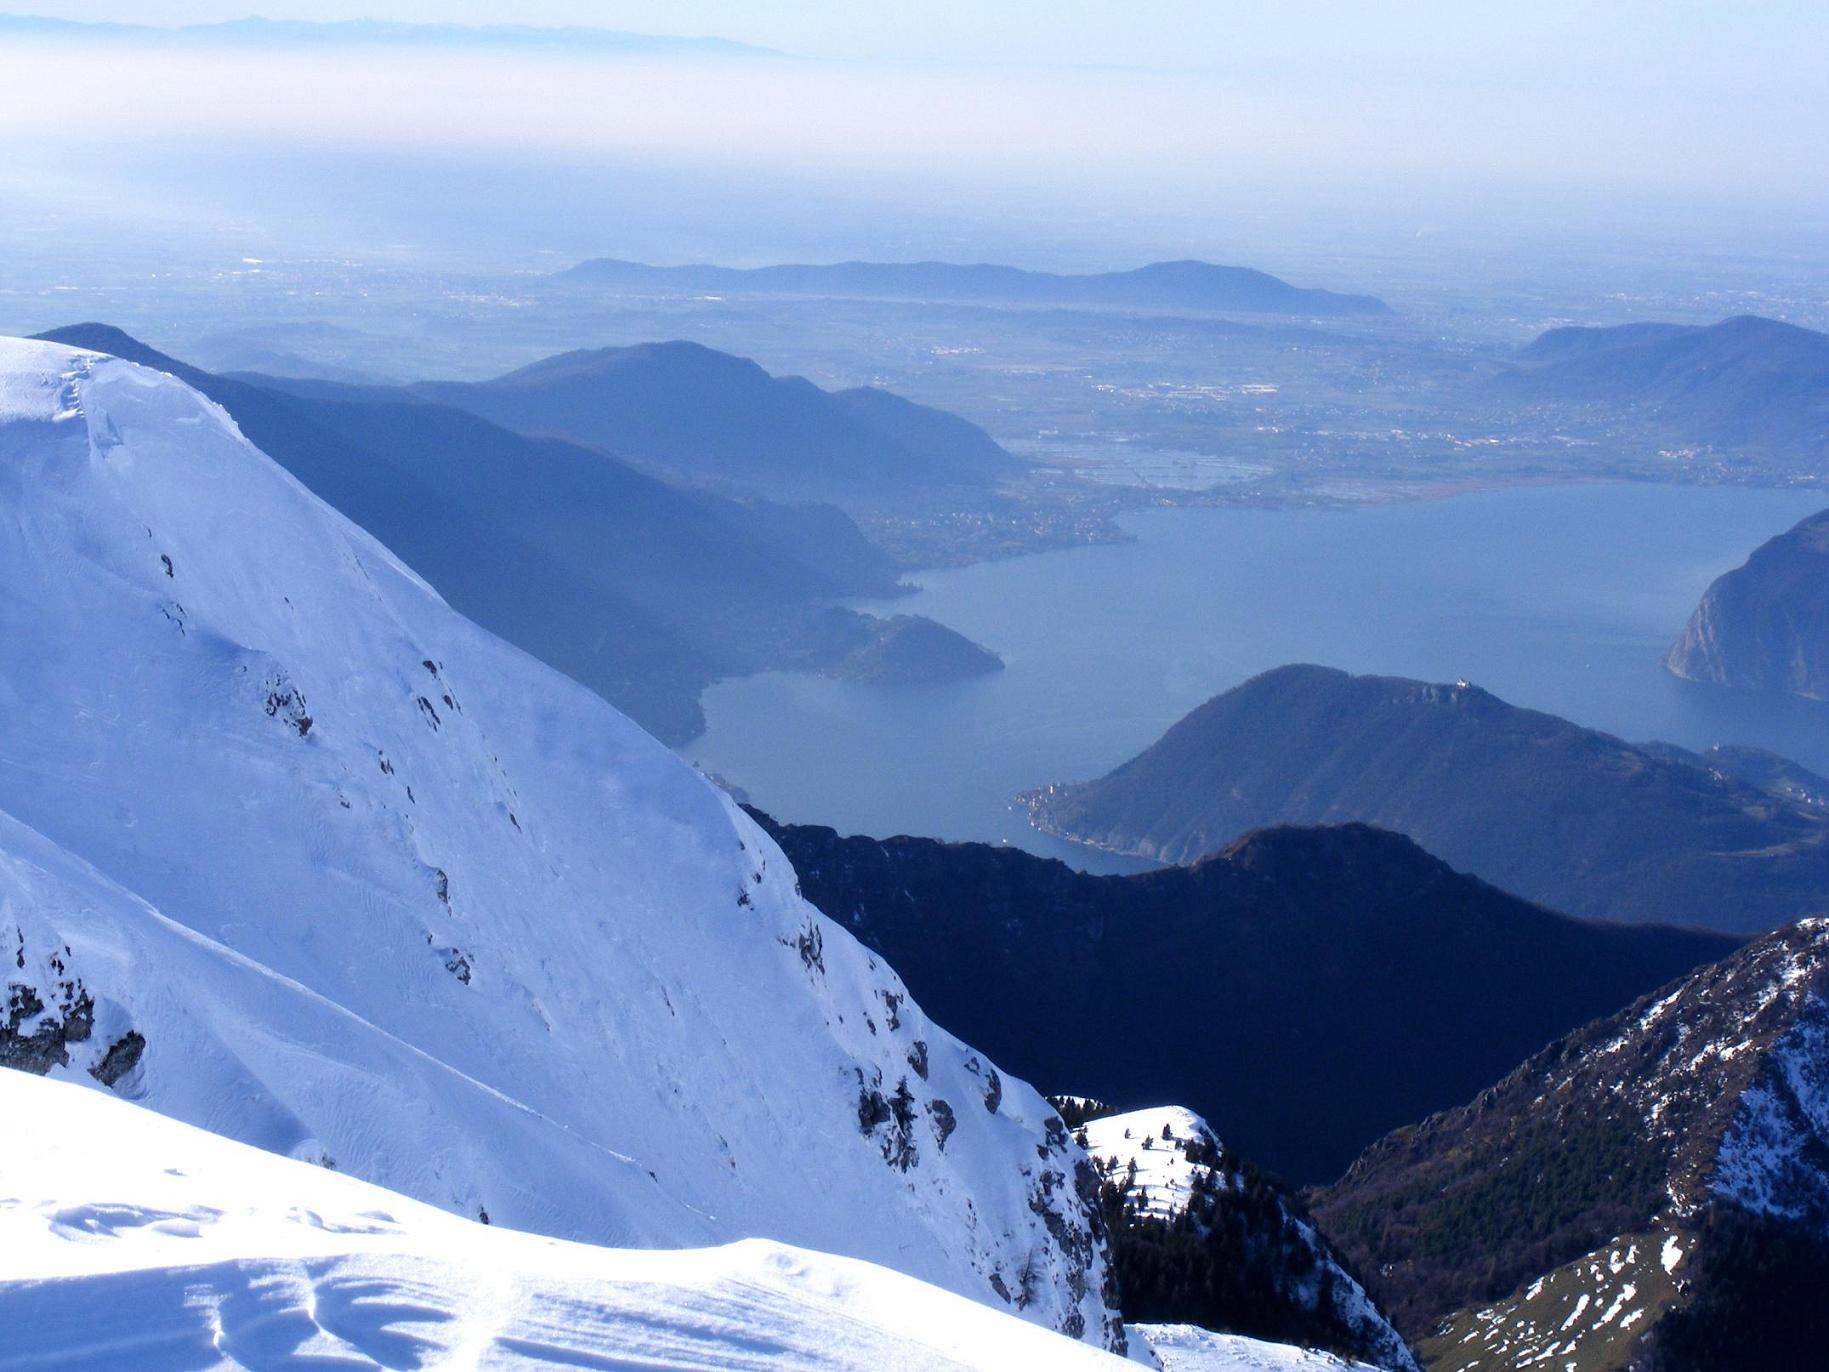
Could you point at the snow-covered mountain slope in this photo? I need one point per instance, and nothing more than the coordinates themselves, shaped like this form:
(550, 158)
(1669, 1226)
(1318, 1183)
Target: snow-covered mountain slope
(132, 1241)
(1199, 1234)
(293, 852)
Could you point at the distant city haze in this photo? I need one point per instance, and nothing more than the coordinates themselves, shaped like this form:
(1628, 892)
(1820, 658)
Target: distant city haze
(1414, 115)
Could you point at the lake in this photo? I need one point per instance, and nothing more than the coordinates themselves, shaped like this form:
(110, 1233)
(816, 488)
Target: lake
(1559, 598)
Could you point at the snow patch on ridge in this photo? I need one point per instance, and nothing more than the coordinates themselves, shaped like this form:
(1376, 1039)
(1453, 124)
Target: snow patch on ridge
(1156, 1142)
(1189, 1348)
(1169, 1164)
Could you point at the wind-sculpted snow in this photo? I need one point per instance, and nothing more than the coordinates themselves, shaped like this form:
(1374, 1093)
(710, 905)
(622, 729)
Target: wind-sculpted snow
(343, 876)
(137, 1243)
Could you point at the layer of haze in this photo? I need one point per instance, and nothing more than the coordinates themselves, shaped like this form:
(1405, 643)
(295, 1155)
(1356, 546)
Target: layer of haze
(1399, 116)
(1622, 45)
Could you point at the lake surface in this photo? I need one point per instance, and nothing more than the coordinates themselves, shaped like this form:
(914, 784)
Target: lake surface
(1559, 598)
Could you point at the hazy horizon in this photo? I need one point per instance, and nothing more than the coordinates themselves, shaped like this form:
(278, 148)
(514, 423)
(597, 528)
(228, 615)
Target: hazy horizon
(1090, 137)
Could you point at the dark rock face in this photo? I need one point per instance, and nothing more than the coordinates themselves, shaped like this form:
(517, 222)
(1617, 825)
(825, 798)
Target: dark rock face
(1700, 1110)
(44, 1008)
(1307, 991)
(1765, 625)
(32, 1041)
(46, 1011)
(1577, 819)
(122, 1057)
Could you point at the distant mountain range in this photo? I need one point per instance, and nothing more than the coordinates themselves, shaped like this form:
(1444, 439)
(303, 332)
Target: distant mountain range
(1307, 990)
(292, 33)
(293, 348)
(1184, 285)
(1568, 816)
(690, 414)
(1765, 625)
(1745, 382)
(642, 591)
(1651, 1191)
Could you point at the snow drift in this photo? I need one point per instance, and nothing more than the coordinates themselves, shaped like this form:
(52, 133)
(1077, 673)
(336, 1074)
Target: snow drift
(131, 1241)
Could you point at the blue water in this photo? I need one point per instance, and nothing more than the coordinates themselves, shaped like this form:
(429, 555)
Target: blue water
(1559, 598)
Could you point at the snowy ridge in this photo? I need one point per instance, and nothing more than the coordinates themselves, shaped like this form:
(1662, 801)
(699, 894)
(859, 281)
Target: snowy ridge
(293, 852)
(1170, 1168)
(1156, 1143)
(130, 1241)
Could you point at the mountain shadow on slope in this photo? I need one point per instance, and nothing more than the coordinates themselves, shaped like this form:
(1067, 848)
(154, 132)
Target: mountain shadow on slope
(1307, 990)
(1672, 1159)
(1758, 1285)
